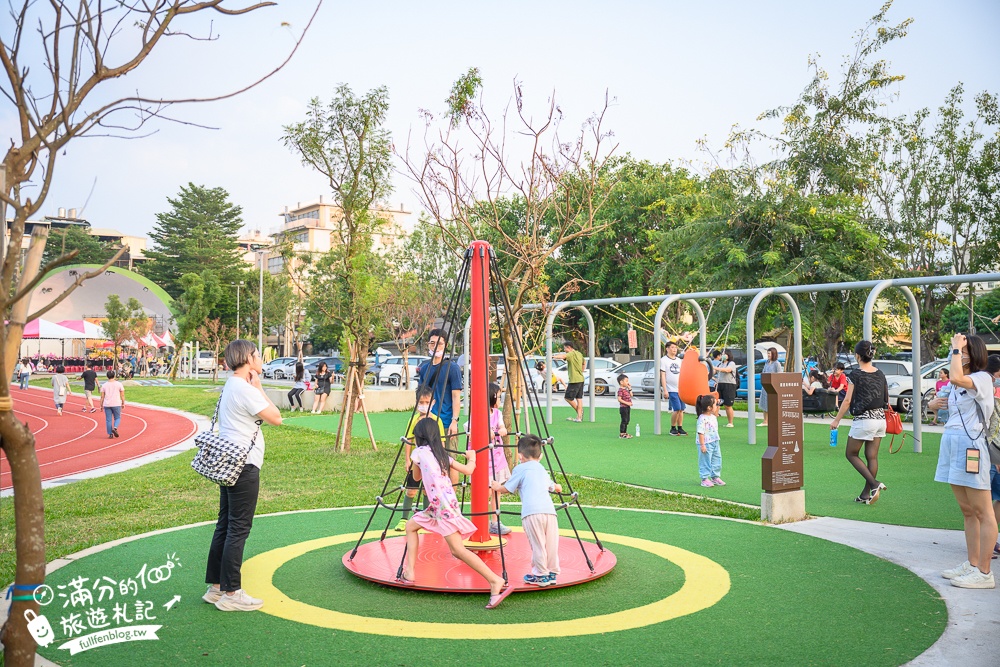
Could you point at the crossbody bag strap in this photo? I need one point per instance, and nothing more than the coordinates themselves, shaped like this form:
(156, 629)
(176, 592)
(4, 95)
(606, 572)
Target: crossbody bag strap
(215, 417)
(253, 440)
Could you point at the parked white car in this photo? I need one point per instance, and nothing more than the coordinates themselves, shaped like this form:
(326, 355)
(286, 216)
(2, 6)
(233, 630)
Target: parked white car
(207, 361)
(901, 386)
(606, 381)
(534, 376)
(600, 364)
(285, 370)
(391, 371)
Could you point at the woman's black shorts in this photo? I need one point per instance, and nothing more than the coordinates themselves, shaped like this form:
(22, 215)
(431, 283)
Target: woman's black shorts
(727, 394)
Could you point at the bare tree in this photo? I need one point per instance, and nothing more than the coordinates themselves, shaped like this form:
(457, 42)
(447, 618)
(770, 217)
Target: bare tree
(407, 309)
(215, 335)
(515, 182)
(58, 59)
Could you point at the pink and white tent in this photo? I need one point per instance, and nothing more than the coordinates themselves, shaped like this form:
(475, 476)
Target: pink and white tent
(40, 328)
(152, 340)
(92, 331)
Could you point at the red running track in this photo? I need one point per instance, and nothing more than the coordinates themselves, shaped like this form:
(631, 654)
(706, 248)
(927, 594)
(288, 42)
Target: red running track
(77, 441)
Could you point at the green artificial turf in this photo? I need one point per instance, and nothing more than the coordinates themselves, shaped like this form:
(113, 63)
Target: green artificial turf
(794, 600)
(668, 462)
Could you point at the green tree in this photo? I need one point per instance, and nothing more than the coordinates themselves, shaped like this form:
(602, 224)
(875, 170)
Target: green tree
(89, 249)
(430, 256)
(346, 141)
(802, 217)
(935, 186)
(124, 321)
(199, 232)
(201, 293)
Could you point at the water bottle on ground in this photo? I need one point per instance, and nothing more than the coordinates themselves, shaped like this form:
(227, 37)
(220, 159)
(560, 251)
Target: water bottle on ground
(833, 437)
(637, 430)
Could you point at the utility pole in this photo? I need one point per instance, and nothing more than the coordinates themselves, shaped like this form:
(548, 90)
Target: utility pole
(260, 312)
(237, 286)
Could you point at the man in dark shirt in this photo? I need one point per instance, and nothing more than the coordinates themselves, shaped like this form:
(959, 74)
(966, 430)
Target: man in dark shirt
(444, 377)
(90, 387)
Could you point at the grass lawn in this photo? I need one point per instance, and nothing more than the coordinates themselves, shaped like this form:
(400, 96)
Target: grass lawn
(671, 463)
(301, 471)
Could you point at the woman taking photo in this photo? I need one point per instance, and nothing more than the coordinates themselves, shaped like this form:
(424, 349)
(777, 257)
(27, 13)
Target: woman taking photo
(242, 407)
(964, 458)
(772, 365)
(867, 397)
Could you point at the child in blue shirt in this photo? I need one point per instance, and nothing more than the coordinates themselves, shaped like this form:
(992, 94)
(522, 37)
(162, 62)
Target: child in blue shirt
(538, 513)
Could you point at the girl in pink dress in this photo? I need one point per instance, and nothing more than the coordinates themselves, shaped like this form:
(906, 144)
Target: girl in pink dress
(444, 515)
(499, 469)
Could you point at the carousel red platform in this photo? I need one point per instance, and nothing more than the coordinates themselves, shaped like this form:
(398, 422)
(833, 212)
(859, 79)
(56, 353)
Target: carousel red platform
(437, 570)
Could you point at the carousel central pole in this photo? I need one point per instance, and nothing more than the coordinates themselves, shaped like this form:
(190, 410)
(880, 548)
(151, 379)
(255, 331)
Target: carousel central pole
(479, 410)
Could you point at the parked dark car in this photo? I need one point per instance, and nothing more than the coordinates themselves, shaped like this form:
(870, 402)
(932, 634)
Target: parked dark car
(335, 364)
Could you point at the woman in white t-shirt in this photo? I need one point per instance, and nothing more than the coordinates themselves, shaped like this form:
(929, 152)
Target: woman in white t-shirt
(243, 406)
(964, 460)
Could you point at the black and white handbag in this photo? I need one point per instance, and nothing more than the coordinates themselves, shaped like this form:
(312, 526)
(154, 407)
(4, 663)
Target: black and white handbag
(219, 459)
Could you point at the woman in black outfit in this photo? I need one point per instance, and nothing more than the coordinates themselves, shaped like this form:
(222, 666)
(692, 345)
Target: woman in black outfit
(867, 397)
(323, 376)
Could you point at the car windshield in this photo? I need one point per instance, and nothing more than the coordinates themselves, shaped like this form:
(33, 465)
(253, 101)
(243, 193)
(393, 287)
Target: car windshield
(929, 365)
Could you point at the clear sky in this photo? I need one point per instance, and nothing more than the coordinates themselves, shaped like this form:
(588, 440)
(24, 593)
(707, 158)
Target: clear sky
(679, 71)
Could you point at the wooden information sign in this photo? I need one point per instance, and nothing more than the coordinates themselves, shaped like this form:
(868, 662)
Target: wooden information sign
(781, 465)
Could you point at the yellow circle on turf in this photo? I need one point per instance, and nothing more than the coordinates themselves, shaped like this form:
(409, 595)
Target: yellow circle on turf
(705, 583)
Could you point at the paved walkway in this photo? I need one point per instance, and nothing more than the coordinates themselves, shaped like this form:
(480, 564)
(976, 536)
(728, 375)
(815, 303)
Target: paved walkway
(972, 638)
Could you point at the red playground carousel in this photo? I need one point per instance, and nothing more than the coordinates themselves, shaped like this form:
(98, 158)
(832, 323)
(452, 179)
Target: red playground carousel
(381, 560)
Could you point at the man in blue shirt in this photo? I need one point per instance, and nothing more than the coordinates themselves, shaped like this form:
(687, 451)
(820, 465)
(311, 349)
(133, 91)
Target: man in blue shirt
(445, 378)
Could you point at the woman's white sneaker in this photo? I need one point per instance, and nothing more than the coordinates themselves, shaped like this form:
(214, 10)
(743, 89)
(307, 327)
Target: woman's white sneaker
(212, 595)
(964, 568)
(238, 601)
(975, 579)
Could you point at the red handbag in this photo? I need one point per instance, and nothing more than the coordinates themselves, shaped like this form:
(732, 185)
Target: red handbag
(893, 424)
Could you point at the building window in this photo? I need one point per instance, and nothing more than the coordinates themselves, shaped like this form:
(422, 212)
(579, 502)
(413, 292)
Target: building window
(275, 264)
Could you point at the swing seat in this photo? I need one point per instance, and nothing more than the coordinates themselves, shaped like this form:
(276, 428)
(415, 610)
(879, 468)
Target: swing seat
(693, 380)
(822, 400)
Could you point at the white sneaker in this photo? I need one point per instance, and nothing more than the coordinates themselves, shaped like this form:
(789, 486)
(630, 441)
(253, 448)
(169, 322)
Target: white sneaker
(212, 595)
(975, 579)
(238, 601)
(729, 426)
(962, 569)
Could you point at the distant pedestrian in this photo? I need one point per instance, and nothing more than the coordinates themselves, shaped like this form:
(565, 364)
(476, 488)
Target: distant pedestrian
(838, 382)
(25, 374)
(112, 402)
(727, 382)
(60, 388)
(574, 383)
(90, 385)
(772, 365)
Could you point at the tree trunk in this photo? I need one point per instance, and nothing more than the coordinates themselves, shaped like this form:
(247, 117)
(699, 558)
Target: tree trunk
(29, 518)
(19, 445)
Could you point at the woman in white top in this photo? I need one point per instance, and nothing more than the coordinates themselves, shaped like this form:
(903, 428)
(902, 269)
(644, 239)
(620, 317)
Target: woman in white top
(964, 460)
(243, 406)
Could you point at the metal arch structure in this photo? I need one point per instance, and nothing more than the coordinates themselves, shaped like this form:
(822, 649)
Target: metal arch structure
(591, 351)
(793, 289)
(916, 399)
(751, 361)
(657, 327)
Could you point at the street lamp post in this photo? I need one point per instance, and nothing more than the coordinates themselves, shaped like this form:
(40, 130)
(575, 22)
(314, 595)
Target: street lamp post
(237, 286)
(260, 312)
